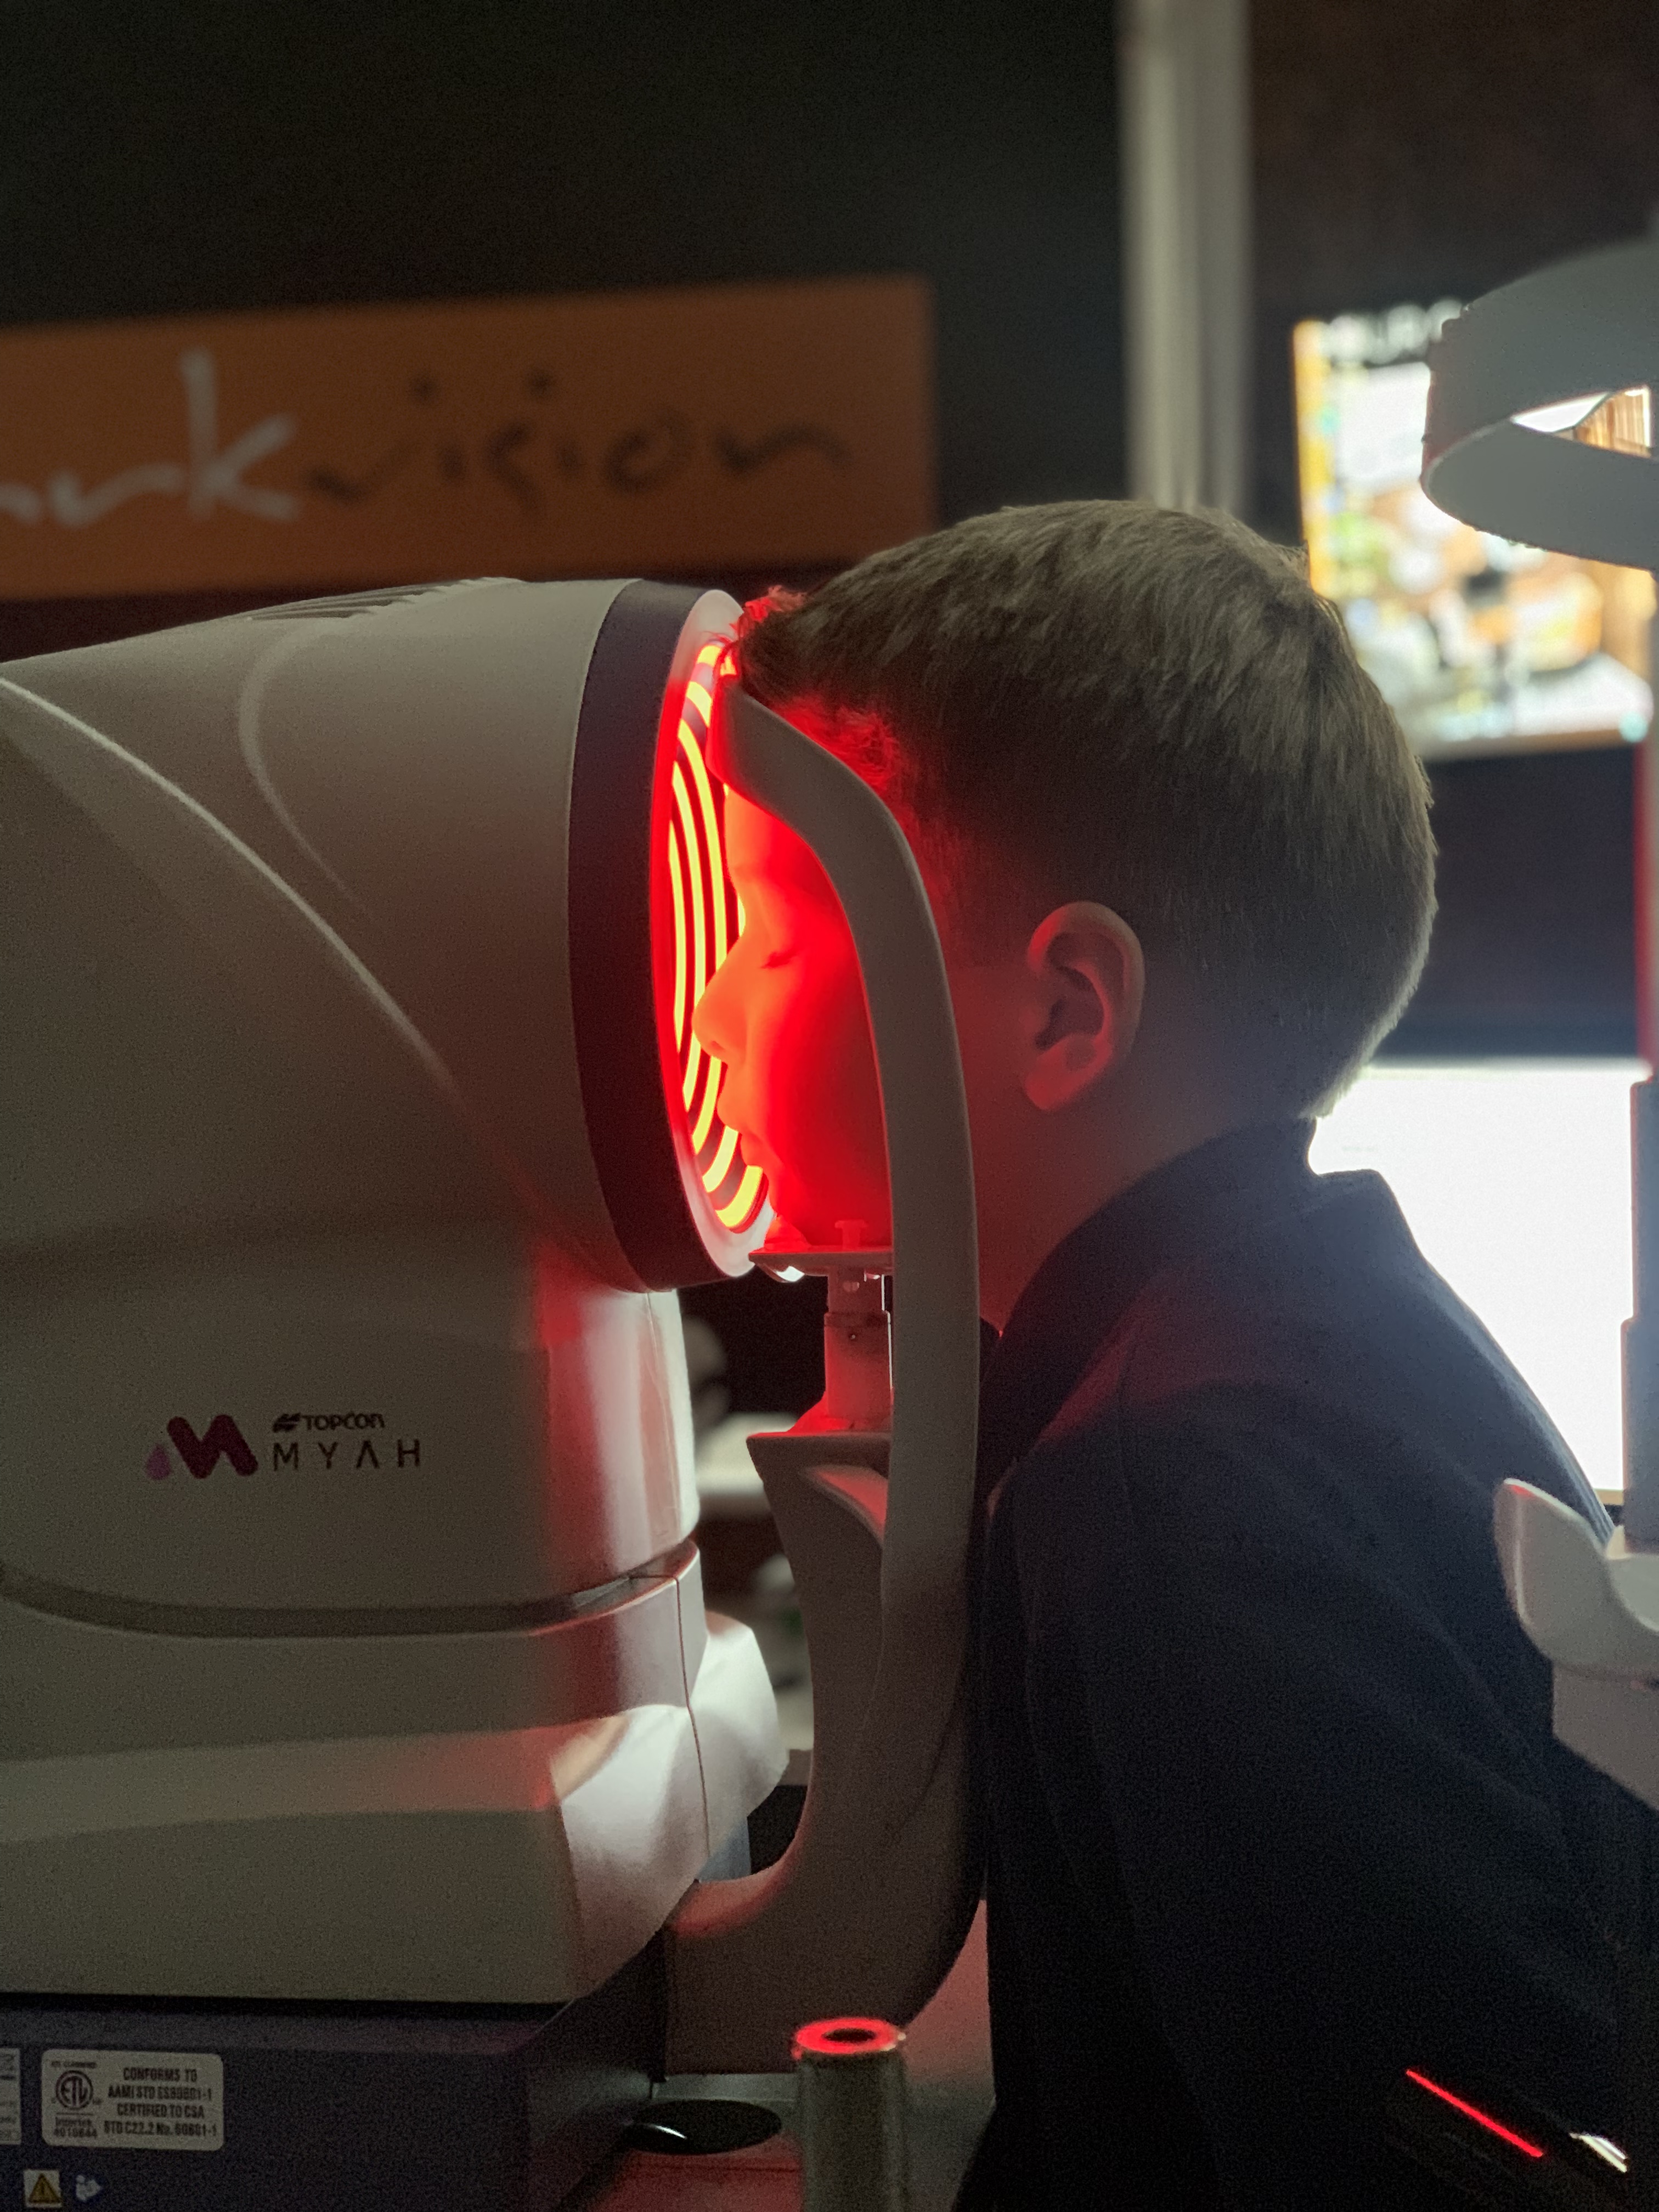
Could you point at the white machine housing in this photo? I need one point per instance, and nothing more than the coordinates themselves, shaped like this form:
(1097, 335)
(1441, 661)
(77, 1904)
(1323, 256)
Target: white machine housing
(352, 1638)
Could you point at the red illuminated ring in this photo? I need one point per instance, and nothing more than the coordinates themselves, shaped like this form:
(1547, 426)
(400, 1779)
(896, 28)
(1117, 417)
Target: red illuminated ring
(703, 916)
(621, 936)
(851, 2038)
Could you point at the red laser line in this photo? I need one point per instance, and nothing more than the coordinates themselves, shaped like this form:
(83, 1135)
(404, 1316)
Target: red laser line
(1471, 2111)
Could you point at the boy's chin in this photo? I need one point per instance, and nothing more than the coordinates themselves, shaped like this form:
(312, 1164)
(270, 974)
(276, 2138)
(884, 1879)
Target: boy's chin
(803, 1227)
(804, 1220)
(796, 1224)
(792, 1223)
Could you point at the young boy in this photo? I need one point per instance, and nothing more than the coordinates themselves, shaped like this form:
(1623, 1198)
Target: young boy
(1273, 1809)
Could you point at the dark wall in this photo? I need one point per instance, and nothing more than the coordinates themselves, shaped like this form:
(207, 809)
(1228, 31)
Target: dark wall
(1534, 947)
(210, 155)
(205, 156)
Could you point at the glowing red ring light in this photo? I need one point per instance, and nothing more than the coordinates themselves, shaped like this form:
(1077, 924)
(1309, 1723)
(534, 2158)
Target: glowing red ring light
(703, 914)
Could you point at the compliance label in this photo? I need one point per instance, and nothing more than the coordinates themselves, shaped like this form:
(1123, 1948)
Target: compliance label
(133, 2100)
(11, 2099)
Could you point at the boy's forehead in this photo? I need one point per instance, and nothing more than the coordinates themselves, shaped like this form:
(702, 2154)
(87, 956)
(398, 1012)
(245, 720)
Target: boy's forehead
(749, 834)
(761, 849)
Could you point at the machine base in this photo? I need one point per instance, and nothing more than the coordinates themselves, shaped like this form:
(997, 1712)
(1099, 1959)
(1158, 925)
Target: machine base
(320, 2106)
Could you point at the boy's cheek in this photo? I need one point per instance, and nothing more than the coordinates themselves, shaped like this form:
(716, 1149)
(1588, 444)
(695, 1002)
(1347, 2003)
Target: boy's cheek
(803, 1091)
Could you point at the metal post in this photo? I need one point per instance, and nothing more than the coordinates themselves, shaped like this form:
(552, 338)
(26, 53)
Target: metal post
(849, 2116)
(1641, 1333)
(1183, 79)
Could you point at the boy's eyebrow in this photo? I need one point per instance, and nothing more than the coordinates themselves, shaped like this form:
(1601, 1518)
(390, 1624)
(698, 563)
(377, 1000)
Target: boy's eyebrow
(788, 867)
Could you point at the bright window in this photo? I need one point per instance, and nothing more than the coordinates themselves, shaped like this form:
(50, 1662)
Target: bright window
(1515, 1176)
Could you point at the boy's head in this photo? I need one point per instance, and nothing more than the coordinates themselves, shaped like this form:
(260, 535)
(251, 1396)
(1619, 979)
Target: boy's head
(1176, 842)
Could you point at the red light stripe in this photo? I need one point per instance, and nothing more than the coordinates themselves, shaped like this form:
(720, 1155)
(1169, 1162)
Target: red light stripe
(698, 866)
(714, 1174)
(677, 887)
(697, 894)
(697, 859)
(705, 1119)
(741, 1209)
(711, 832)
(697, 699)
(1473, 2113)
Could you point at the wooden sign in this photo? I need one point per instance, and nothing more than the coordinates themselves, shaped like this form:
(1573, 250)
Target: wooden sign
(734, 426)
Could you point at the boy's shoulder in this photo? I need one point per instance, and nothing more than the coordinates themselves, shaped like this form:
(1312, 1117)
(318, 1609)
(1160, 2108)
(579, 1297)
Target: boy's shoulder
(1311, 1361)
(1324, 1294)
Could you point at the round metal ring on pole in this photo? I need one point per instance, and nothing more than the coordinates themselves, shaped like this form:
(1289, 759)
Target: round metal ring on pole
(1578, 330)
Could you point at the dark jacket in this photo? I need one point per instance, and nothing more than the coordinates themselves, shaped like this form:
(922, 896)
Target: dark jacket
(1273, 1806)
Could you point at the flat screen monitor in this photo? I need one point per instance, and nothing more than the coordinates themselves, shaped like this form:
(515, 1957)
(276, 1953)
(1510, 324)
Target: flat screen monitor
(1478, 644)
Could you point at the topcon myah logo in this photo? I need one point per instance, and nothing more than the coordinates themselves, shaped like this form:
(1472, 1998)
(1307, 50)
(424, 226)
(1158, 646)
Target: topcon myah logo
(308, 1440)
(284, 1422)
(222, 1439)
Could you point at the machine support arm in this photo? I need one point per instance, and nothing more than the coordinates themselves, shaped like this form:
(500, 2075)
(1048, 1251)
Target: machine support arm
(866, 1911)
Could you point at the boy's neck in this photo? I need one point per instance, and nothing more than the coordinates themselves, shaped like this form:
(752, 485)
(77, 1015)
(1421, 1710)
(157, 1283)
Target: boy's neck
(1063, 1190)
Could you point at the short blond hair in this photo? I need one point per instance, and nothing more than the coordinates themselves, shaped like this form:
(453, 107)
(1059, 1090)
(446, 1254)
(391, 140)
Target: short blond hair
(1111, 701)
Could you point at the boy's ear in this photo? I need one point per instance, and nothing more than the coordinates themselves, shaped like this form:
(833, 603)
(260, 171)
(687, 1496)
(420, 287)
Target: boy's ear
(1086, 984)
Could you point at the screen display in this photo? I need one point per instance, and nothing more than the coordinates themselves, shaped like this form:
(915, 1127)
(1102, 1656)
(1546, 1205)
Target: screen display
(1514, 1178)
(1475, 643)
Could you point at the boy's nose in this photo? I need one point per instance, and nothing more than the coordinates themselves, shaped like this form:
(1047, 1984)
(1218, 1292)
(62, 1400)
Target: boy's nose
(711, 1017)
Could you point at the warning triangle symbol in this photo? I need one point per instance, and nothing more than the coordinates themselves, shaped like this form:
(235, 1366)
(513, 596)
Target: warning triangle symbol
(44, 2189)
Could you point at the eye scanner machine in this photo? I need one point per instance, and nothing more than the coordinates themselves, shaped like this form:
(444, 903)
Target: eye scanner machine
(373, 1783)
